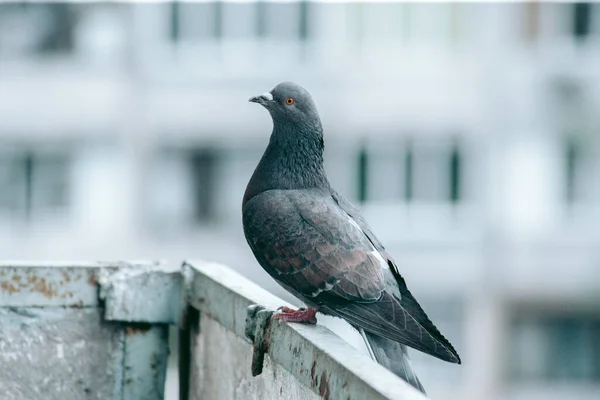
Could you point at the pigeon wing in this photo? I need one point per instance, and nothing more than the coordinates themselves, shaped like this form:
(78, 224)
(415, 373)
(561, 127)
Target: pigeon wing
(314, 248)
(304, 241)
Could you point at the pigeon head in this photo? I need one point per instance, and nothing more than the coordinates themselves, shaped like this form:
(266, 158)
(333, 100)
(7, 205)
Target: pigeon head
(294, 157)
(290, 103)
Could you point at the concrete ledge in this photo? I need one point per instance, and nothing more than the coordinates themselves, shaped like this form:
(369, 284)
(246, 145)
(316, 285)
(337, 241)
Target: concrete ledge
(52, 319)
(147, 293)
(35, 284)
(316, 357)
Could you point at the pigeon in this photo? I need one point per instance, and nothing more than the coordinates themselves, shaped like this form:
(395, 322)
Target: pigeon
(317, 245)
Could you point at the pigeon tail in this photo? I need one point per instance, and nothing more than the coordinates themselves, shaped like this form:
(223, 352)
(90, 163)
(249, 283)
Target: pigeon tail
(393, 356)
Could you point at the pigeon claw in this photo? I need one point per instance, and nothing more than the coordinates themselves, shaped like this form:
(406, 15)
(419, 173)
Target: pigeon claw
(305, 315)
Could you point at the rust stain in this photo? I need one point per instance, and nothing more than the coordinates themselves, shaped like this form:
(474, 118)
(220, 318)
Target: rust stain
(66, 276)
(137, 329)
(9, 287)
(32, 282)
(92, 279)
(66, 295)
(48, 290)
(324, 390)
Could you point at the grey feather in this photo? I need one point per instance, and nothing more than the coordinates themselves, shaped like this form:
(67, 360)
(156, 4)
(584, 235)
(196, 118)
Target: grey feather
(393, 356)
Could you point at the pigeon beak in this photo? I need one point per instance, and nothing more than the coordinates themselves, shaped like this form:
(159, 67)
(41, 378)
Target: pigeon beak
(263, 99)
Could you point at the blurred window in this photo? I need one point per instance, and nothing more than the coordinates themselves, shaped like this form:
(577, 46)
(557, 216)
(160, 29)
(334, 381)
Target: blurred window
(531, 21)
(581, 19)
(282, 20)
(355, 24)
(555, 347)
(363, 165)
(572, 164)
(417, 171)
(218, 19)
(581, 162)
(184, 188)
(456, 11)
(408, 172)
(203, 163)
(455, 174)
(196, 21)
(29, 28)
(433, 173)
(32, 182)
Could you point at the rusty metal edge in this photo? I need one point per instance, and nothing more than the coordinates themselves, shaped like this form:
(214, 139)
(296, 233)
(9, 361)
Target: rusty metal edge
(314, 355)
(55, 284)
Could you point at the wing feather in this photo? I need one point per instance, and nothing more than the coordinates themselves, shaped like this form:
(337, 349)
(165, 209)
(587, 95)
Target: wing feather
(319, 245)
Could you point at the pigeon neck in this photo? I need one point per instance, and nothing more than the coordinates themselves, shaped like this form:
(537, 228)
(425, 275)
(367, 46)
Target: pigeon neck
(293, 160)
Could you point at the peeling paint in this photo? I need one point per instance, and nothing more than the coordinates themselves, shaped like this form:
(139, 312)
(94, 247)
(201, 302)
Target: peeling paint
(9, 287)
(43, 286)
(47, 285)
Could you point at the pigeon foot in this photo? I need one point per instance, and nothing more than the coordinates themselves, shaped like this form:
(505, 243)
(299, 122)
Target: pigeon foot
(306, 315)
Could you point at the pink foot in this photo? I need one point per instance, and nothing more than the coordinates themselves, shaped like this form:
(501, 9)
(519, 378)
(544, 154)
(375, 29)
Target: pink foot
(306, 315)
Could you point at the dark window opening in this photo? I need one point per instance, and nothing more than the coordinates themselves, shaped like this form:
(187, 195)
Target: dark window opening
(572, 154)
(455, 175)
(175, 31)
(261, 21)
(363, 165)
(408, 173)
(555, 347)
(218, 15)
(532, 21)
(28, 175)
(303, 28)
(195, 21)
(32, 182)
(60, 32)
(203, 164)
(581, 19)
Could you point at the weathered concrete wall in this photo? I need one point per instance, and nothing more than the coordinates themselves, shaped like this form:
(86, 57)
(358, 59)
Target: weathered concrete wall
(300, 361)
(58, 340)
(221, 370)
(59, 354)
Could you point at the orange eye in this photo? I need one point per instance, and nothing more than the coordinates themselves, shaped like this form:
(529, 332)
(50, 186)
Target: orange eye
(289, 101)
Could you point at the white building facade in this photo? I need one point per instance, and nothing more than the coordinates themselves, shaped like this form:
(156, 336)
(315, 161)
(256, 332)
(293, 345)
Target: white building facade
(467, 132)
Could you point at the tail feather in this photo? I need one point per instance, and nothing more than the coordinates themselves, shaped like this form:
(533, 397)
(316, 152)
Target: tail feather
(393, 356)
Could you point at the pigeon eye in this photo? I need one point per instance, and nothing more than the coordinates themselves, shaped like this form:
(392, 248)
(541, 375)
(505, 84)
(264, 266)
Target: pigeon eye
(289, 101)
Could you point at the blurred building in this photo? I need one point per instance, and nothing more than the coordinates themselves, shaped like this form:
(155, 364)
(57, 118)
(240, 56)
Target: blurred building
(469, 133)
